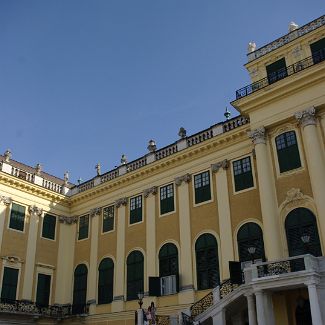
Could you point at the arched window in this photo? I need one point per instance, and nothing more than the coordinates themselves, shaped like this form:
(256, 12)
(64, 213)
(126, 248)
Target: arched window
(250, 235)
(105, 281)
(302, 233)
(134, 274)
(288, 152)
(80, 289)
(207, 262)
(168, 260)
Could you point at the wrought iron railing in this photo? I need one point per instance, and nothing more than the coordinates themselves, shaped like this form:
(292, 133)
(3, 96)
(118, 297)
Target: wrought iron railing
(162, 320)
(201, 305)
(30, 308)
(317, 57)
(226, 287)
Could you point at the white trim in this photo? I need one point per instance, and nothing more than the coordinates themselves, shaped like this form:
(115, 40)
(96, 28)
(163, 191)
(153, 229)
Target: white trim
(211, 187)
(174, 196)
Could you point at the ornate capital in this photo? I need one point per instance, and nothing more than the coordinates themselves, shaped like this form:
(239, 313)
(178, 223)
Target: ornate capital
(258, 135)
(68, 220)
(152, 190)
(34, 210)
(95, 212)
(122, 201)
(185, 178)
(224, 164)
(306, 117)
(6, 200)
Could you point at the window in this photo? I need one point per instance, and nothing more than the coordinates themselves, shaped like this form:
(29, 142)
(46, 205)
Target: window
(168, 260)
(167, 199)
(134, 275)
(105, 281)
(108, 218)
(243, 174)
(288, 152)
(136, 209)
(250, 235)
(202, 187)
(17, 217)
(9, 284)
(207, 262)
(80, 289)
(318, 50)
(83, 227)
(43, 290)
(276, 71)
(49, 223)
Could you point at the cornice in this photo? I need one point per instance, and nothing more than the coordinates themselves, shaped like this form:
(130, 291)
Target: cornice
(221, 141)
(33, 189)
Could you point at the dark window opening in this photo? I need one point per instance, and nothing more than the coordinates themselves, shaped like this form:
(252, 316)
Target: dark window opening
(276, 71)
(108, 218)
(105, 281)
(202, 187)
(243, 175)
(17, 217)
(83, 227)
(136, 209)
(135, 269)
(167, 199)
(49, 223)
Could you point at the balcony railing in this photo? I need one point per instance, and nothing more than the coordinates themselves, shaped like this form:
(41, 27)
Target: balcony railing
(201, 305)
(32, 309)
(316, 58)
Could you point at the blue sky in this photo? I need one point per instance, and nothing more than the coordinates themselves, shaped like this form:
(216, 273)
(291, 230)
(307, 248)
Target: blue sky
(82, 82)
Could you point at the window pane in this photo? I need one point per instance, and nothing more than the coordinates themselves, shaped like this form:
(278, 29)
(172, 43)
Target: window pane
(49, 223)
(136, 209)
(135, 269)
(9, 284)
(83, 227)
(166, 199)
(108, 218)
(243, 176)
(43, 290)
(17, 217)
(202, 187)
(105, 281)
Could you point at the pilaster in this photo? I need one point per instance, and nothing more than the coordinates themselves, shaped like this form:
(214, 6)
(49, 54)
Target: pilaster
(4, 204)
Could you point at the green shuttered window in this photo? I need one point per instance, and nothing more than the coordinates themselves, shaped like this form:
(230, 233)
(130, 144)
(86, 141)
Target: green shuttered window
(49, 223)
(9, 284)
(108, 218)
(105, 281)
(167, 199)
(202, 187)
(136, 209)
(43, 290)
(83, 227)
(135, 269)
(243, 174)
(288, 152)
(17, 217)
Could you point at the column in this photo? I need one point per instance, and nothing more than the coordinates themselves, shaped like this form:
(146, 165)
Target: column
(225, 231)
(220, 318)
(65, 265)
(186, 271)
(260, 310)
(93, 265)
(268, 305)
(269, 204)
(314, 303)
(315, 161)
(118, 299)
(34, 214)
(4, 203)
(251, 309)
(150, 196)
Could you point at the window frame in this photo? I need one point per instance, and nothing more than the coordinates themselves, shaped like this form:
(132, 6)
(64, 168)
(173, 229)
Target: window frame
(102, 217)
(130, 203)
(210, 187)
(56, 219)
(233, 174)
(9, 218)
(130, 297)
(113, 271)
(78, 234)
(36, 284)
(9, 265)
(174, 200)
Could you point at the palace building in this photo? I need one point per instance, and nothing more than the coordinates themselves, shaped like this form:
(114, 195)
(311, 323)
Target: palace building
(223, 227)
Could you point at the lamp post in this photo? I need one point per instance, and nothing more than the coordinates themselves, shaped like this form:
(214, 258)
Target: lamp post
(140, 296)
(251, 251)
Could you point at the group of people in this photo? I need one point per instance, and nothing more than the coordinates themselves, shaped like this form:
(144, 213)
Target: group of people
(149, 316)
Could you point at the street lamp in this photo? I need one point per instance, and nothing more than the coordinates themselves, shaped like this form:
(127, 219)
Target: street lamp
(140, 296)
(251, 251)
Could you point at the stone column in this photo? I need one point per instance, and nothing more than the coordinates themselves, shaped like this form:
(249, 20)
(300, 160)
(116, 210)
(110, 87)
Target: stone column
(220, 318)
(268, 305)
(260, 310)
(314, 303)
(4, 203)
(186, 271)
(150, 196)
(118, 300)
(34, 214)
(93, 265)
(225, 230)
(269, 204)
(315, 161)
(65, 265)
(251, 309)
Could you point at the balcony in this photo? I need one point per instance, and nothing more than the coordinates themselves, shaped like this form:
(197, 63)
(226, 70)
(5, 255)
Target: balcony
(316, 58)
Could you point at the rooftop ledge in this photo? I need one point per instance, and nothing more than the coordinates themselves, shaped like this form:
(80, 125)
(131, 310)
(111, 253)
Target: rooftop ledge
(286, 38)
(317, 57)
(31, 175)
